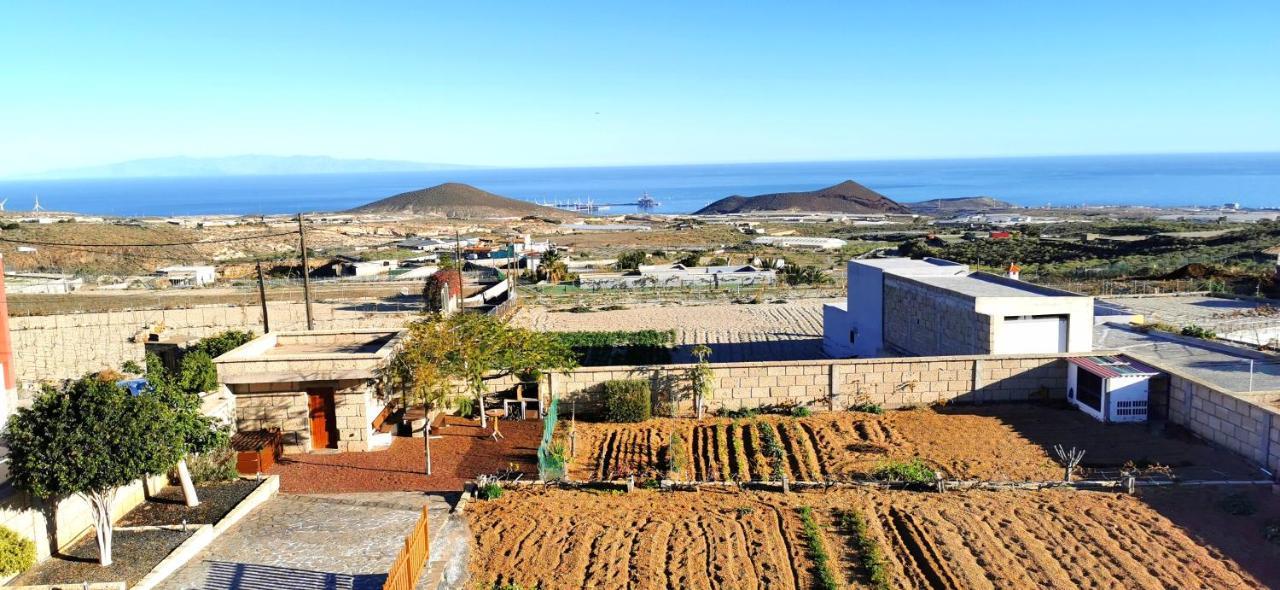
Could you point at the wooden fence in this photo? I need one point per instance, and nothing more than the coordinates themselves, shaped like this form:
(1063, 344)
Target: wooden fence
(408, 566)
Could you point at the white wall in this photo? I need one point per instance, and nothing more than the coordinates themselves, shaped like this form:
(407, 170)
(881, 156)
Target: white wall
(865, 306)
(1078, 309)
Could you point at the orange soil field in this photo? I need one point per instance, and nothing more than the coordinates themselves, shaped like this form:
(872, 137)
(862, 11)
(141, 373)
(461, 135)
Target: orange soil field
(1010, 442)
(833, 446)
(732, 539)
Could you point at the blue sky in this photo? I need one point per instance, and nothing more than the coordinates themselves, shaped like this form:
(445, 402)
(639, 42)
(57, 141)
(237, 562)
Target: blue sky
(597, 83)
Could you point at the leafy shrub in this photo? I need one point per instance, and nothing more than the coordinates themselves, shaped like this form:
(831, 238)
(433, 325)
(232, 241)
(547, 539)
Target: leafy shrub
(772, 450)
(627, 400)
(804, 275)
(132, 367)
(827, 577)
(630, 260)
(913, 471)
(220, 344)
(1198, 332)
(868, 407)
(17, 553)
(604, 348)
(801, 412)
(213, 465)
(870, 556)
(489, 491)
(197, 373)
(737, 412)
(677, 456)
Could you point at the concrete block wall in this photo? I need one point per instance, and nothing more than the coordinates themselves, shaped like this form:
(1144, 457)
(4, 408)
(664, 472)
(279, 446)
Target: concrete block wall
(838, 384)
(1248, 424)
(923, 320)
(57, 347)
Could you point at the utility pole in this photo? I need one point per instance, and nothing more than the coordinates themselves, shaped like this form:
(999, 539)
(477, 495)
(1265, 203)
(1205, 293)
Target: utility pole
(262, 298)
(306, 272)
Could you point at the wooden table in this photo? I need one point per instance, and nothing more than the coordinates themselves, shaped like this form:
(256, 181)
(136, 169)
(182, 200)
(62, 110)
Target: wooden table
(494, 416)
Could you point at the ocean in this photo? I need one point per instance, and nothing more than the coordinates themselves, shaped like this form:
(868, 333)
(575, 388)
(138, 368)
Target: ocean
(1252, 180)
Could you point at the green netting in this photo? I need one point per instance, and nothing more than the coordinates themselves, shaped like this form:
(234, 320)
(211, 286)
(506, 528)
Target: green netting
(551, 456)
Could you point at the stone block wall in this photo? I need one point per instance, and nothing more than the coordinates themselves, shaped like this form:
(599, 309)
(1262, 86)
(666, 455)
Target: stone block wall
(1248, 424)
(837, 384)
(923, 320)
(284, 406)
(57, 347)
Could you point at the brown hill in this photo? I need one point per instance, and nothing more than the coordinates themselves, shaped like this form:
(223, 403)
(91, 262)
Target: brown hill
(846, 197)
(453, 199)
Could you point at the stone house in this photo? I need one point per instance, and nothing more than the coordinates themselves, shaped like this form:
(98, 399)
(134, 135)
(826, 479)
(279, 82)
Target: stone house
(319, 387)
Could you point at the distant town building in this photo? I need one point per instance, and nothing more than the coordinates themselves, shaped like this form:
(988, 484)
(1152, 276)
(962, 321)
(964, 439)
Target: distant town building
(800, 242)
(899, 306)
(41, 283)
(188, 276)
(437, 244)
(367, 268)
(589, 227)
(678, 275)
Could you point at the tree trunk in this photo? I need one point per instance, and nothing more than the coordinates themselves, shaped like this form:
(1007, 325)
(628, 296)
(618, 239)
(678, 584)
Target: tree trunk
(484, 420)
(188, 487)
(426, 437)
(100, 509)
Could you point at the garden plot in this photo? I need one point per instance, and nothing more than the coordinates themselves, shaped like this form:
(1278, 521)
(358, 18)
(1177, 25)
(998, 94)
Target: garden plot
(1005, 442)
(734, 539)
(832, 446)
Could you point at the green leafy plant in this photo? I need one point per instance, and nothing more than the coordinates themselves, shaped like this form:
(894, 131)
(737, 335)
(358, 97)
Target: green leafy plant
(89, 440)
(630, 260)
(1195, 331)
(828, 579)
(627, 400)
(775, 456)
(677, 458)
(489, 491)
(870, 556)
(738, 412)
(214, 465)
(604, 348)
(701, 379)
(868, 407)
(131, 367)
(801, 411)
(220, 344)
(914, 471)
(17, 553)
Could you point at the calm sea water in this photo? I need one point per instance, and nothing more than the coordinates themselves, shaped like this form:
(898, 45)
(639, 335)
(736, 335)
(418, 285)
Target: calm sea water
(1253, 180)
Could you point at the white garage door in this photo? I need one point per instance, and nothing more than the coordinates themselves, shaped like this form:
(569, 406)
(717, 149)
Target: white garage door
(1032, 334)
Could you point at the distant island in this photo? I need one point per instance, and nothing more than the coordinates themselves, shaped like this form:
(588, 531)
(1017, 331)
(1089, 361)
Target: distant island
(959, 205)
(846, 197)
(246, 165)
(454, 199)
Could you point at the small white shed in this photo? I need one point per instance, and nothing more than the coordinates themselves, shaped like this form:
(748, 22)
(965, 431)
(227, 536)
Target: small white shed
(1109, 388)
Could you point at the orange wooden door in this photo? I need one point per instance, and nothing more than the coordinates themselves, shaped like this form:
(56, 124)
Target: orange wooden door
(323, 423)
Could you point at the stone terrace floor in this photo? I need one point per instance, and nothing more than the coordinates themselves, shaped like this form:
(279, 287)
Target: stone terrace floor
(326, 542)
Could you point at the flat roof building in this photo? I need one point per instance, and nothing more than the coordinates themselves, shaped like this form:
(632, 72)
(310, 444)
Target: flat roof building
(933, 307)
(316, 387)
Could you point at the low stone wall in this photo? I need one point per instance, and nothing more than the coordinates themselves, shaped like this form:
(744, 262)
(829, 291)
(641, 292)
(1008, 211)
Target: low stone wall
(838, 384)
(30, 517)
(57, 347)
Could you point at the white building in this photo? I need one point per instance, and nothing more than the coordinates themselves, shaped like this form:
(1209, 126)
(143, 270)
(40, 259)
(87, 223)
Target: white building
(188, 276)
(932, 307)
(678, 275)
(801, 242)
(368, 268)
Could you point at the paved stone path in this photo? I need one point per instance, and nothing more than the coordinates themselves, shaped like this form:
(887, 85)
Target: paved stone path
(330, 542)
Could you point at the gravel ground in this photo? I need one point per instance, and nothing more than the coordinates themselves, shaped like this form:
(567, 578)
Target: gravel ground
(168, 507)
(462, 452)
(735, 333)
(133, 553)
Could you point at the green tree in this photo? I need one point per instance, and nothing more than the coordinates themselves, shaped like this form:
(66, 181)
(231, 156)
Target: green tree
(701, 379)
(690, 259)
(442, 355)
(200, 434)
(630, 260)
(89, 440)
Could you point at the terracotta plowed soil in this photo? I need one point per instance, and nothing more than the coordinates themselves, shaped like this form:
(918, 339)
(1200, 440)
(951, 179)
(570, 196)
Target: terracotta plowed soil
(994, 443)
(731, 539)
